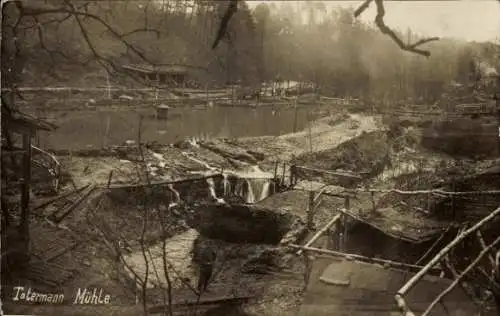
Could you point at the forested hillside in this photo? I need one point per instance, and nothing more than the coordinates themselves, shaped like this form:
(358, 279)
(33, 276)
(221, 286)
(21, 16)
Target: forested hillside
(269, 42)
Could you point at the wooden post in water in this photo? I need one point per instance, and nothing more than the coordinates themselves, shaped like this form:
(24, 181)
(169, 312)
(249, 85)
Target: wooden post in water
(206, 93)
(108, 86)
(106, 132)
(101, 131)
(295, 115)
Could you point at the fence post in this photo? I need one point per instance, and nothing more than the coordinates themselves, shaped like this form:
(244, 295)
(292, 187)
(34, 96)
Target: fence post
(275, 169)
(206, 93)
(310, 211)
(107, 130)
(135, 292)
(307, 268)
(293, 177)
(347, 206)
(101, 132)
(283, 174)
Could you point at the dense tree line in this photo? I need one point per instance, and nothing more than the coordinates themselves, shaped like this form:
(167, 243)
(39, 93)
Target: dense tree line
(286, 41)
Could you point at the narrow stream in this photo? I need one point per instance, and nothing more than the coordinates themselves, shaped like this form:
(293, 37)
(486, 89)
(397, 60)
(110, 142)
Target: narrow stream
(253, 185)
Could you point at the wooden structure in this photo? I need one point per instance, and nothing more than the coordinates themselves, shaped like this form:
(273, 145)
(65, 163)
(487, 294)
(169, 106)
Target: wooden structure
(346, 287)
(18, 131)
(401, 295)
(162, 112)
(160, 75)
(354, 274)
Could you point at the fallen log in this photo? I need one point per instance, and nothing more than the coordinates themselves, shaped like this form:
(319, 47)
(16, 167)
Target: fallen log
(60, 197)
(58, 219)
(242, 155)
(333, 173)
(159, 183)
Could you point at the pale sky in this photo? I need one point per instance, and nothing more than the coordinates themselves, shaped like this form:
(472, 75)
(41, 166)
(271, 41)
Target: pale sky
(471, 20)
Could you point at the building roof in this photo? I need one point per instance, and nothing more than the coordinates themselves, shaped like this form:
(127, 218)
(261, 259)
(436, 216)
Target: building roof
(341, 287)
(160, 68)
(22, 120)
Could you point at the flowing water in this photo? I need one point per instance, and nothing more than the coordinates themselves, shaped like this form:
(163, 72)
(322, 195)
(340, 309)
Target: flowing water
(178, 256)
(253, 184)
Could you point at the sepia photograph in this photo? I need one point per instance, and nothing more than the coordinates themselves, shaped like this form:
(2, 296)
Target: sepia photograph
(250, 158)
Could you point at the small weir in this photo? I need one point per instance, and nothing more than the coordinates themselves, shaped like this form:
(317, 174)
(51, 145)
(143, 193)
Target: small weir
(250, 190)
(252, 186)
(224, 211)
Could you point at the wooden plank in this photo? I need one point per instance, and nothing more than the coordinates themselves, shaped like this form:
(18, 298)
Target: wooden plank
(361, 258)
(333, 173)
(154, 183)
(461, 276)
(60, 197)
(66, 212)
(411, 283)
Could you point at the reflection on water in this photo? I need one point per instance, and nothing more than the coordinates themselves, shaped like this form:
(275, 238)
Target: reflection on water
(94, 129)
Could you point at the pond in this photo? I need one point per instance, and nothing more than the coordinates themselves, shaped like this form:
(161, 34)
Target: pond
(105, 127)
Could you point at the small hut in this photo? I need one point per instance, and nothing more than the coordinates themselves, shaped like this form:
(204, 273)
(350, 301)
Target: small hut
(161, 75)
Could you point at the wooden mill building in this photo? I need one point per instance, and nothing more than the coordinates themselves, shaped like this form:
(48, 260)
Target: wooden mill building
(162, 75)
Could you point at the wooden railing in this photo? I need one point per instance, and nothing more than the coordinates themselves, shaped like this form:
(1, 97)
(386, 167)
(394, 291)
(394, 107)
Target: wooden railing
(442, 256)
(337, 227)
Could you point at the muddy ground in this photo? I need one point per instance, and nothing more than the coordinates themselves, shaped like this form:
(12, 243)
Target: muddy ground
(343, 141)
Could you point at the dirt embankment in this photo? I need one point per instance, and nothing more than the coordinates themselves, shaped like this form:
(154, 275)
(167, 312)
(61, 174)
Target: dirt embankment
(475, 138)
(367, 153)
(324, 134)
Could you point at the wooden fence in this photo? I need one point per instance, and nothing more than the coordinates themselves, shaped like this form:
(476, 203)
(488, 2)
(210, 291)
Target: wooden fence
(336, 229)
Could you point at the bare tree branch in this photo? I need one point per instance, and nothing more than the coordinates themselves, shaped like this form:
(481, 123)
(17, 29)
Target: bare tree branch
(143, 30)
(224, 23)
(72, 9)
(362, 8)
(379, 21)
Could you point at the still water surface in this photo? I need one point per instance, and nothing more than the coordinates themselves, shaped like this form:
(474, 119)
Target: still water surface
(97, 128)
